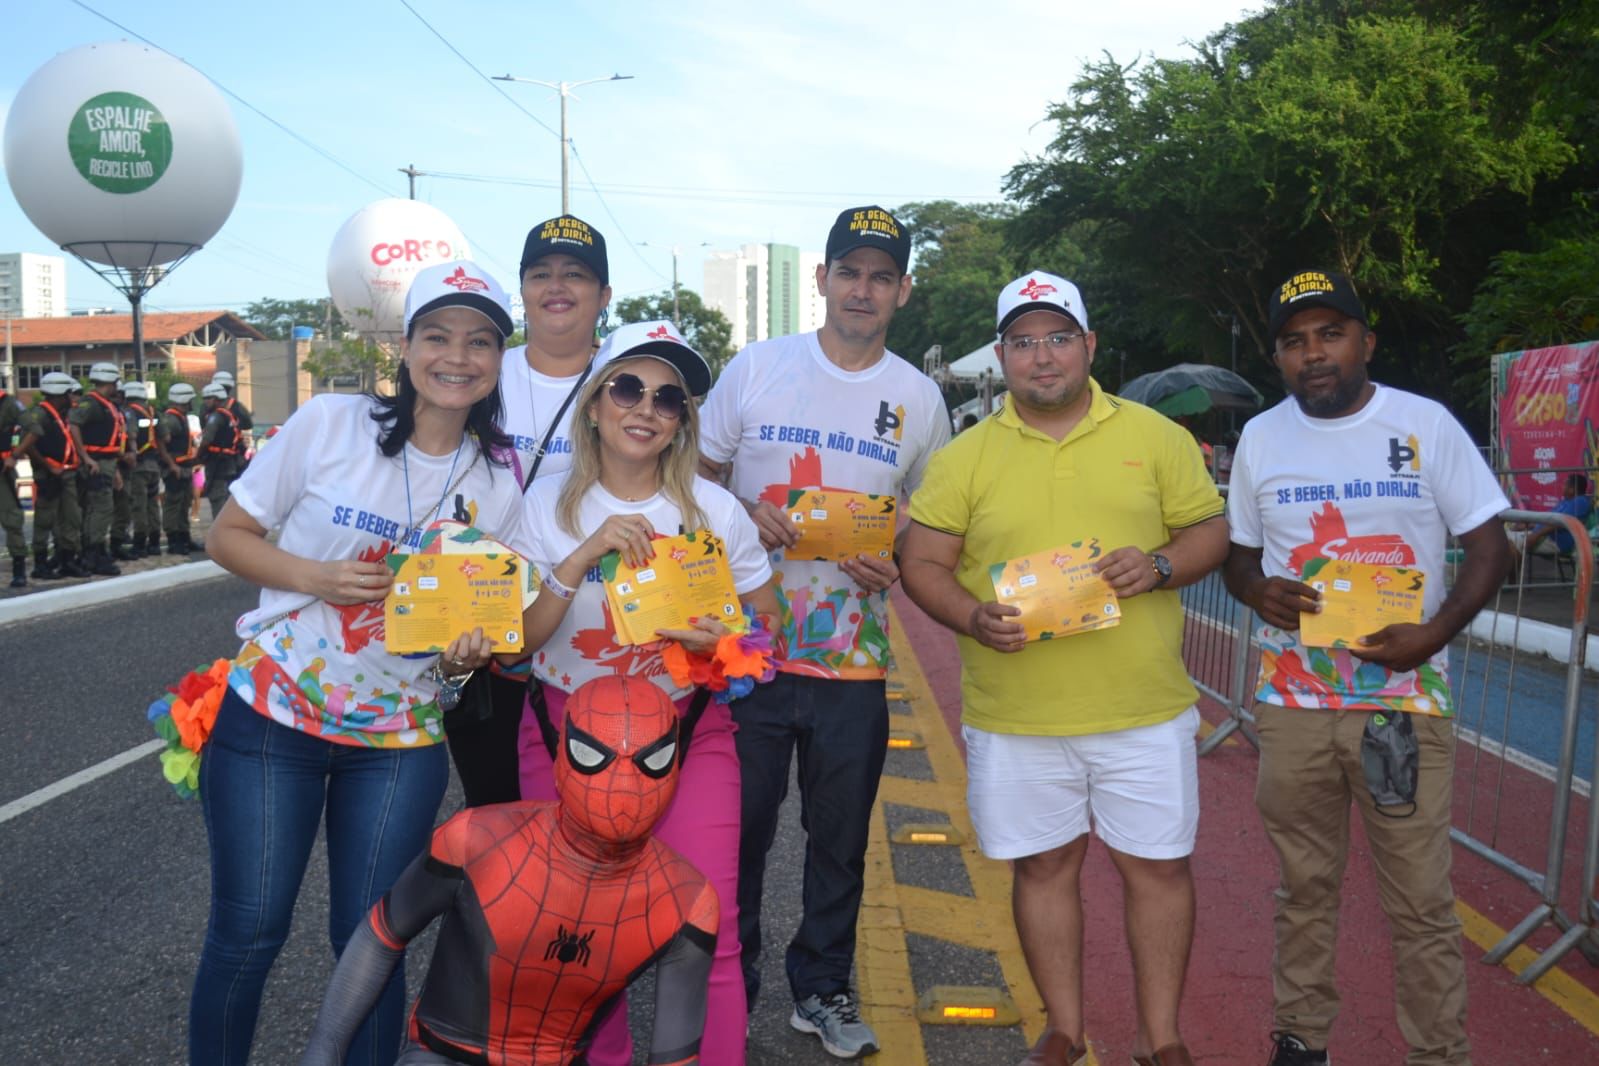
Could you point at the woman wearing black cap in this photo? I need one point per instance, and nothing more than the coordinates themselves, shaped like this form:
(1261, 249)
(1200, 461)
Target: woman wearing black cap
(319, 720)
(565, 291)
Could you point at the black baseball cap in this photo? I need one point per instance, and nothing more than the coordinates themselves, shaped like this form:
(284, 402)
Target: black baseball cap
(567, 235)
(1313, 288)
(869, 227)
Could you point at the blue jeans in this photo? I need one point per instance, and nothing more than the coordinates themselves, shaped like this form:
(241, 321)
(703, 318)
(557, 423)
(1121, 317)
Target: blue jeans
(263, 787)
(840, 729)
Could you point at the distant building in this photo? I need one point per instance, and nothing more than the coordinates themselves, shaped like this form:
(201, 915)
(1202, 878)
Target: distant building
(180, 344)
(32, 286)
(765, 290)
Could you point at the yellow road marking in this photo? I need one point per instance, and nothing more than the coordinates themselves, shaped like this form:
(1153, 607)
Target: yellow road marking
(982, 921)
(1557, 986)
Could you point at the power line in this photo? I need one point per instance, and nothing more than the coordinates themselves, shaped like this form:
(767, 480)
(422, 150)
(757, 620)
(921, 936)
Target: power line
(490, 81)
(590, 178)
(329, 156)
(638, 189)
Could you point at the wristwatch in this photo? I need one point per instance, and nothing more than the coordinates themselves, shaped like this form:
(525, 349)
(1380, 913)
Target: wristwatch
(1162, 569)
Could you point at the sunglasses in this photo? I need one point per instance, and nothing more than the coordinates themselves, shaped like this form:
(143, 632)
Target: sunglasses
(626, 390)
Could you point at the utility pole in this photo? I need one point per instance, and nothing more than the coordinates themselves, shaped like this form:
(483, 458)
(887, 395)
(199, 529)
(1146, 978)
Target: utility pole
(410, 171)
(677, 314)
(564, 88)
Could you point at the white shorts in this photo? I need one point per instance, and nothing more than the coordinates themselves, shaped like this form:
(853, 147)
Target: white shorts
(1137, 788)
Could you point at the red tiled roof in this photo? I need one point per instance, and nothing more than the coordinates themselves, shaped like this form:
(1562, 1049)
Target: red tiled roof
(159, 327)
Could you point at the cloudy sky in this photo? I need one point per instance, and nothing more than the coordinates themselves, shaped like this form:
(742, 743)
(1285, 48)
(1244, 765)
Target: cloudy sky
(743, 122)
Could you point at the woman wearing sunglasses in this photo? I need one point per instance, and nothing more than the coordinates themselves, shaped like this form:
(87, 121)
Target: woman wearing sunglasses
(634, 455)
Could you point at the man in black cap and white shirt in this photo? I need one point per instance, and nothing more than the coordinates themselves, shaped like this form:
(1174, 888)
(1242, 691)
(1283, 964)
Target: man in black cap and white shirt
(566, 288)
(835, 410)
(1348, 470)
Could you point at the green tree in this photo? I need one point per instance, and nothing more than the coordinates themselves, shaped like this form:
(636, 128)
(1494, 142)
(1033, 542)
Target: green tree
(705, 328)
(1314, 133)
(277, 318)
(354, 361)
(961, 263)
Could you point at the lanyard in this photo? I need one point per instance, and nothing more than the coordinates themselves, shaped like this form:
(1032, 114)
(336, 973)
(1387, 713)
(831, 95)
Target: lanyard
(405, 464)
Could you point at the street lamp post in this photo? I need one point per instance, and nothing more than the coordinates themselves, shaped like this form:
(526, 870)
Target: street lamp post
(564, 88)
(677, 315)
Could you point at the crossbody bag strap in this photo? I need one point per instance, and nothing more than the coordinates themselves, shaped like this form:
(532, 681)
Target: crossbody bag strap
(549, 434)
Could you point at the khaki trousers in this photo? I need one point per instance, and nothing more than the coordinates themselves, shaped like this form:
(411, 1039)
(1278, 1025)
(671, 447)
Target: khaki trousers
(1310, 771)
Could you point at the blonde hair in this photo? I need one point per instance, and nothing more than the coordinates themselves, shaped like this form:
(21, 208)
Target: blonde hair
(678, 464)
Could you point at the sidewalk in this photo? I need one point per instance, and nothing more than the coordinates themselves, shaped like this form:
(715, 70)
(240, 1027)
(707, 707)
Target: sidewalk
(1227, 1008)
(197, 530)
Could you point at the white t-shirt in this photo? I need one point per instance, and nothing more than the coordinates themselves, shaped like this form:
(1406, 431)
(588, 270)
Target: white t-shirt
(531, 400)
(332, 495)
(584, 646)
(1387, 485)
(788, 418)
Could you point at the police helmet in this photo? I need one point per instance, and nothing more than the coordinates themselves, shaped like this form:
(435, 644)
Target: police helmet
(104, 372)
(214, 391)
(134, 390)
(181, 392)
(56, 383)
(223, 378)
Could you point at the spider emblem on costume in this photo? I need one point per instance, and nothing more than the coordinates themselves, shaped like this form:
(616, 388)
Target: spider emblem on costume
(550, 910)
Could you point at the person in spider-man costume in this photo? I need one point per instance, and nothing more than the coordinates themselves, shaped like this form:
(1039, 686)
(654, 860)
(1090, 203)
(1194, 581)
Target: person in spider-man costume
(551, 909)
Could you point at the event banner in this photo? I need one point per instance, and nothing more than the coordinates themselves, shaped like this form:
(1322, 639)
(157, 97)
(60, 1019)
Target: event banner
(1357, 599)
(1059, 591)
(1548, 416)
(841, 525)
(688, 578)
(436, 598)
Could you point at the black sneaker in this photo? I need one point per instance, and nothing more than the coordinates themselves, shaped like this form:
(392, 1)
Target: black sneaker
(1292, 1051)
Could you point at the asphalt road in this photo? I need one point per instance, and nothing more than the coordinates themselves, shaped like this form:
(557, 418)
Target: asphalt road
(104, 888)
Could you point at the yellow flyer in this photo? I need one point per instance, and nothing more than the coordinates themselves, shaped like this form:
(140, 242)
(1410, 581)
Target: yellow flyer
(688, 578)
(1358, 599)
(841, 525)
(436, 598)
(1058, 591)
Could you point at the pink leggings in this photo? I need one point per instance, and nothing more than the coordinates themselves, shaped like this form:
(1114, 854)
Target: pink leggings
(703, 826)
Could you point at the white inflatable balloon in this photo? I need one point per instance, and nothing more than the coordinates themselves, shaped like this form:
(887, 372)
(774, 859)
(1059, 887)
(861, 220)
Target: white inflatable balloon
(377, 252)
(123, 154)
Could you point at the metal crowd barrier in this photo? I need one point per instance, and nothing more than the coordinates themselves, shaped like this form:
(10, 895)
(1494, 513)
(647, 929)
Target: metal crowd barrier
(1485, 663)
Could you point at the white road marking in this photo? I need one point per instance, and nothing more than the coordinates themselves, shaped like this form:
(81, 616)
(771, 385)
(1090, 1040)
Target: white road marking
(78, 780)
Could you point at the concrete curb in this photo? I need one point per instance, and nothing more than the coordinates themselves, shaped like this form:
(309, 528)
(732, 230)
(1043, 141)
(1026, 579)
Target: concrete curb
(94, 593)
(1530, 635)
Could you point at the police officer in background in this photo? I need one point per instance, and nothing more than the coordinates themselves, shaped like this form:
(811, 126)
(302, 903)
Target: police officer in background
(100, 434)
(240, 413)
(144, 481)
(11, 413)
(121, 501)
(221, 444)
(177, 455)
(48, 443)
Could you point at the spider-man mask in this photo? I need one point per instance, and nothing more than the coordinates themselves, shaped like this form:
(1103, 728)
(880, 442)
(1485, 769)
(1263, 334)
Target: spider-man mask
(616, 770)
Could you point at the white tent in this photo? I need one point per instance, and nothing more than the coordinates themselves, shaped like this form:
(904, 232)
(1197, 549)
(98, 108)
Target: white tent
(970, 366)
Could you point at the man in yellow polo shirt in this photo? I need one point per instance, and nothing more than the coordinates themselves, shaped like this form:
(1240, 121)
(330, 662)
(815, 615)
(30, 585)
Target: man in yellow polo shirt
(1094, 729)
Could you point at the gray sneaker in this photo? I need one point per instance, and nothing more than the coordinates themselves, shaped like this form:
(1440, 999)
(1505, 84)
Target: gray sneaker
(837, 1020)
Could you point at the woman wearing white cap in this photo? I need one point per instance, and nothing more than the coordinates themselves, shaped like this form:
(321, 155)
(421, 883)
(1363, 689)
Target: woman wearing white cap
(633, 477)
(318, 717)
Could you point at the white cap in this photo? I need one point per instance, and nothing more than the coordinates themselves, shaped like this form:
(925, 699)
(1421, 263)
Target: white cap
(223, 378)
(459, 283)
(56, 383)
(658, 340)
(134, 390)
(214, 391)
(104, 372)
(180, 392)
(1038, 291)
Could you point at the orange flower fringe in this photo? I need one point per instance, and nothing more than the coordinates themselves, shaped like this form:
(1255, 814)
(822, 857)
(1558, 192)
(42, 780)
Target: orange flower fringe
(183, 718)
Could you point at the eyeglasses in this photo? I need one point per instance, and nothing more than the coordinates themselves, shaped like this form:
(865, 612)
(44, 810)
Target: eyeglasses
(626, 390)
(1056, 342)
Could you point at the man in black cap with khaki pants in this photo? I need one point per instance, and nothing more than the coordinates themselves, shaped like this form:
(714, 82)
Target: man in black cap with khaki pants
(1346, 471)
